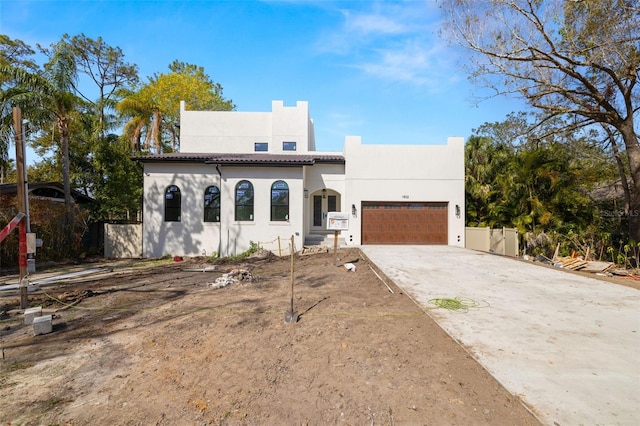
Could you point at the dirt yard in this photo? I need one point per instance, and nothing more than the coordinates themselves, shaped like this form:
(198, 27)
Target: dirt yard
(153, 343)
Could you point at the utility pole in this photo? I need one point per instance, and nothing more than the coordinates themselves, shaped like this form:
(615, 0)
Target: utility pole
(22, 207)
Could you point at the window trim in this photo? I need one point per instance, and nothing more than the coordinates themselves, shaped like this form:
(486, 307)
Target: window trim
(275, 207)
(250, 204)
(173, 217)
(257, 145)
(289, 146)
(214, 209)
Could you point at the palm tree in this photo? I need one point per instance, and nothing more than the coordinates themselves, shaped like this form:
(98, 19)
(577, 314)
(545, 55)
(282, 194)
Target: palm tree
(144, 118)
(48, 97)
(485, 161)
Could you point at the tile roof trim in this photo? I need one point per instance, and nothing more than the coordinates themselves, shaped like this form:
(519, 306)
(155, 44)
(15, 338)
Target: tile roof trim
(242, 159)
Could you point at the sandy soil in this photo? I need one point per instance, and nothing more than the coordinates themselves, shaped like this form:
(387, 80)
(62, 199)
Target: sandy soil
(156, 344)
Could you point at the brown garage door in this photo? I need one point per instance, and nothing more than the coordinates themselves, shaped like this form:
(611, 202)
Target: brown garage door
(404, 223)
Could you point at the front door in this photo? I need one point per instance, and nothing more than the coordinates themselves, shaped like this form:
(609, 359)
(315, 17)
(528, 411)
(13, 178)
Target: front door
(321, 206)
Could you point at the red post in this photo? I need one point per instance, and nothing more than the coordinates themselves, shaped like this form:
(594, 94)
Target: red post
(20, 221)
(22, 263)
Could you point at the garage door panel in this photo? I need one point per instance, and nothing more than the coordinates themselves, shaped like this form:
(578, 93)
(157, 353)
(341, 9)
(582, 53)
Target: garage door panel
(404, 223)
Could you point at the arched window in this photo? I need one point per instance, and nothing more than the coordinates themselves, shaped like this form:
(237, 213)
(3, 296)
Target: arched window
(172, 204)
(212, 204)
(279, 201)
(244, 200)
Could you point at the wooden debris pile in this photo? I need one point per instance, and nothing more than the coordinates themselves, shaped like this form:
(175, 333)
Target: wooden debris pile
(578, 263)
(573, 263)
(308, 250)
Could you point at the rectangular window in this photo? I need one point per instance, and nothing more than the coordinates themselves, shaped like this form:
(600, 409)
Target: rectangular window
(435, 206)
(372, 206)
(332, 203)
(212, 204)
(244, 213)
(289, 146)
(261, 147)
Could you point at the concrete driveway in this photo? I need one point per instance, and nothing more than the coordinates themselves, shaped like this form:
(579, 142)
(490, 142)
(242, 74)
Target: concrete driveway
(567, 345)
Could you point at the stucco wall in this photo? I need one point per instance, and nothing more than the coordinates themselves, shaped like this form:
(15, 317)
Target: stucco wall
(405, 173)
(194, 237)
(317, 178)
(290, 124)
(122, 241)
(237, 132)
(384, 173)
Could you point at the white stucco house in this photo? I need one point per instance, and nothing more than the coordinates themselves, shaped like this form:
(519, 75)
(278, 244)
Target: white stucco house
(243, 177)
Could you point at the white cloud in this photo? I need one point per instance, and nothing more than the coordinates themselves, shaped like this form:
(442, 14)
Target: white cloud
(394, 41)
(412, 61)
(372, 24)
(407, 64)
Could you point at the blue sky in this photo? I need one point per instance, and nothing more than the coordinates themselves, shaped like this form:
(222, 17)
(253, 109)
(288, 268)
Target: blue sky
(368, 68)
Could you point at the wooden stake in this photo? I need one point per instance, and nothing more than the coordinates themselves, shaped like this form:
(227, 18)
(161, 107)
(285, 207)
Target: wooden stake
(291, 316)
(291, 273)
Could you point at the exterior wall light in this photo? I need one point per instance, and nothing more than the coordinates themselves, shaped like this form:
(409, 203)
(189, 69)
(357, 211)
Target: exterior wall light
(354, 211)
(324, 192)
(306, 193)
(457, 211)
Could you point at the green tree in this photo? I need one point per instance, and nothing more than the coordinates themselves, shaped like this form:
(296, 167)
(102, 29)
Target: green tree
(102, 76)
(566, 58)
(119, 191)
(154, 109)
(144, 119)
(485, 160)
(105, 67)
(45, 170)
(59, 101)
(16, 53)
(93, 171)
(541, 184)
(52, 91)
(13, 54)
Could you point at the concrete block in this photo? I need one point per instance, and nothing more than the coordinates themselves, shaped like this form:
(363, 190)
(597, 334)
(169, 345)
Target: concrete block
(31, 313)
(43, 325)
